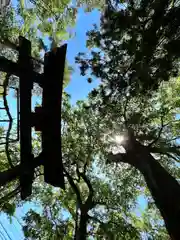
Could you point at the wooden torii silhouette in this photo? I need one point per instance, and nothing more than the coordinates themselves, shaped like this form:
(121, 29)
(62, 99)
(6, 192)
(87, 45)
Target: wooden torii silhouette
(46, 118)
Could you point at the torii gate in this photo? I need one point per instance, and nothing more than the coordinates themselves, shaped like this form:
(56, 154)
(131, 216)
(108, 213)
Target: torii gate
(46, 118)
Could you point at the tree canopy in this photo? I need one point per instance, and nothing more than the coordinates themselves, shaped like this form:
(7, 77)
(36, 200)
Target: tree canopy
(88, 136)
(136, 46)
(135, 56)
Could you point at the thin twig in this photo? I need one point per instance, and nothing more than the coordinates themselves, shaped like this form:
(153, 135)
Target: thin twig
(173, 157)
(173, 139)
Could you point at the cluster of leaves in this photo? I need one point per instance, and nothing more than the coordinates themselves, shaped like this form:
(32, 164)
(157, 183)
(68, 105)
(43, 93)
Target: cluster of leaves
(48, 222)
(52, 17)
(35, 21)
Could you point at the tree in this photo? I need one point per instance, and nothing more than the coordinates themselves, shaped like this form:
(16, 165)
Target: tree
(86, 140)
(90, 5)
(127, 112)
(164, 188)
(54, 19)
(85, 143)
(85, 192)
(134, 54)
(135, 46)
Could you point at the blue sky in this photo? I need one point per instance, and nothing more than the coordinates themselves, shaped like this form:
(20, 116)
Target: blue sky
(78, 86)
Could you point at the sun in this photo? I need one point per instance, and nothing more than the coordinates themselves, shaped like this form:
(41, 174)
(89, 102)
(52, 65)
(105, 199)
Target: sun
(119, 139)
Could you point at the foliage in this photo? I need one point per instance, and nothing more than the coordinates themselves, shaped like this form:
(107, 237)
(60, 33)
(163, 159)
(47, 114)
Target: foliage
(23, 20)
(89, 5)
(51, 17)
(30, 22)
(87, 134)
(136, 47)
(102, 192)
(80, 157)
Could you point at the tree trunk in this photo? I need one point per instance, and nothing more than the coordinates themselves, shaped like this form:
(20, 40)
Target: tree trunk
(165, 191)
(82, 233)
(164, 188)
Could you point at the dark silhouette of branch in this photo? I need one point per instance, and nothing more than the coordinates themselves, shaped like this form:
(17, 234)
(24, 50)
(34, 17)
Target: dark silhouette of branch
(74, 187)
(124, 112)
(85, 167)
(173, 139)
(86, 180)
(76, 222)
(13, 173)
(10, 195)
(84, 208)
(161, 129)
(81, 225)
(89, 201)
(5, 85)
(172, 149)
(116, 158)
(177, 159)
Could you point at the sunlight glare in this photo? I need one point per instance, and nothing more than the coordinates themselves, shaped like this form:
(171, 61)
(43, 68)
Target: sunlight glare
(119, 139)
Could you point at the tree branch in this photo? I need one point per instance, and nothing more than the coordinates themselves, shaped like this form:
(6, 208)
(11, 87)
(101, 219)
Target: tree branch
(5, 84)
(10, 195)
(76, 223)
(124, 112)
(74, 187)
(13, 173)
(89, 203)
(174, 149)
(87, 181)
(117, 158)
(173, 157)
(173, 139)
(82, 231)
(161, 129)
